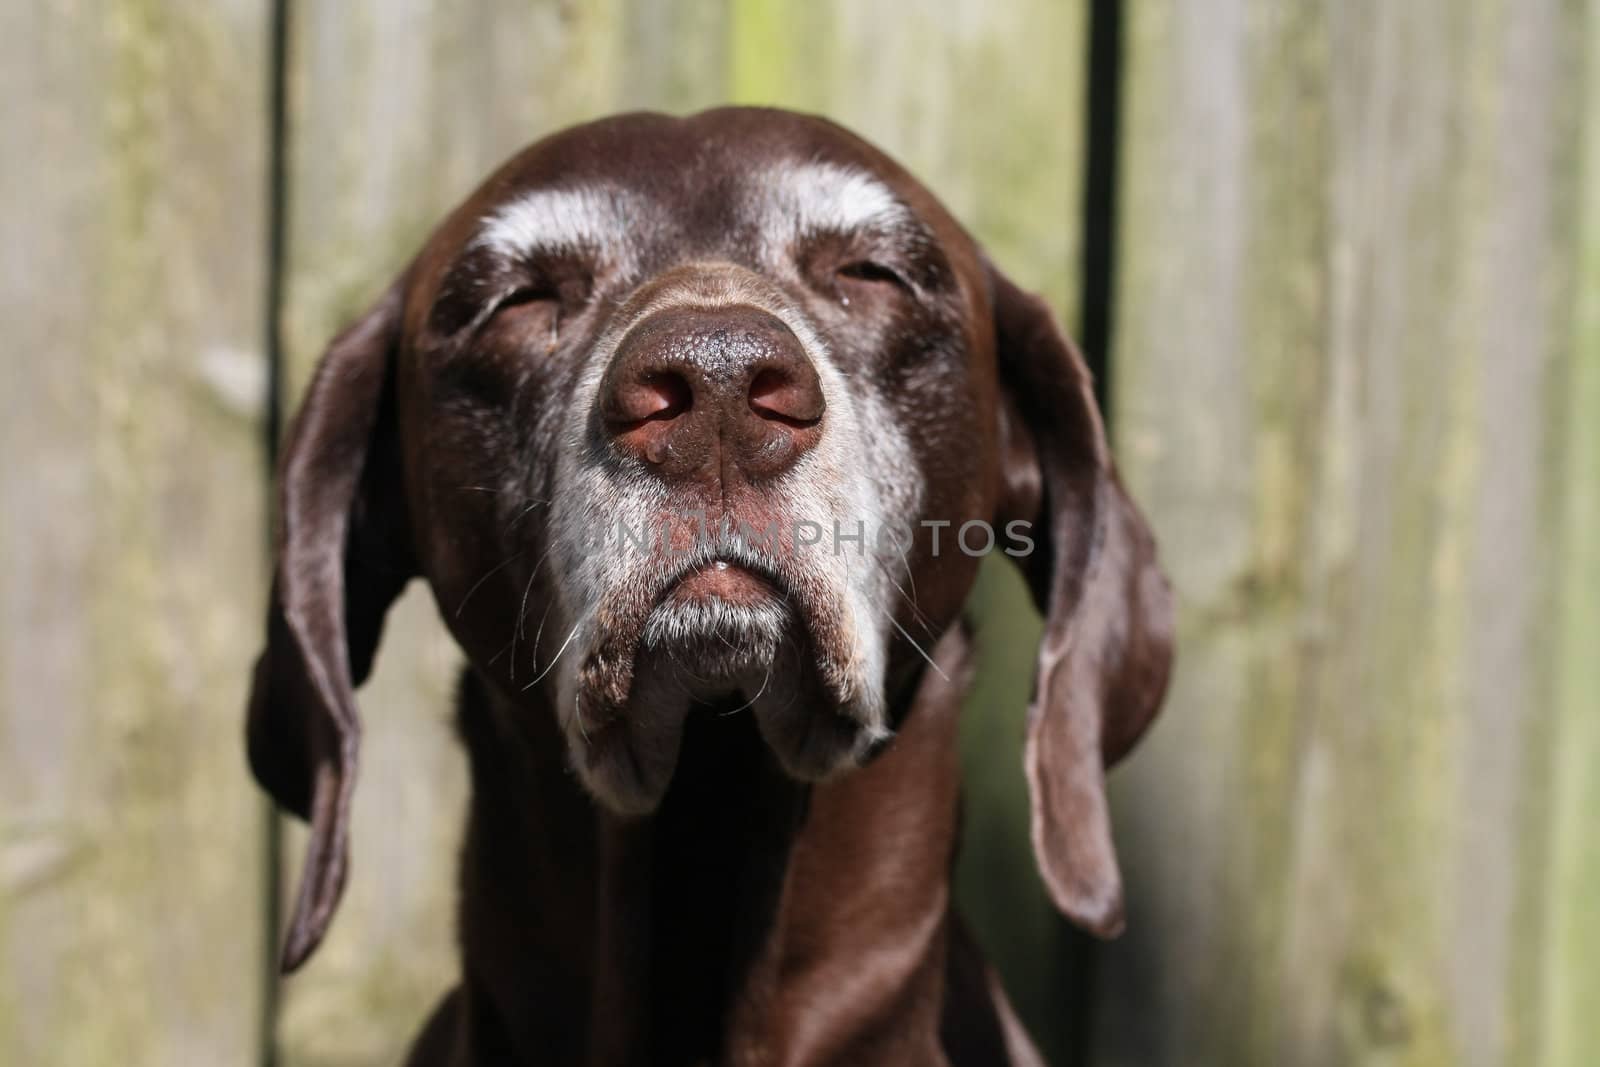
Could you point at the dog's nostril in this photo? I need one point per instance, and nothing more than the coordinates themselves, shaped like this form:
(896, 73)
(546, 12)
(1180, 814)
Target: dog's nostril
(783, 396)
(658, 397)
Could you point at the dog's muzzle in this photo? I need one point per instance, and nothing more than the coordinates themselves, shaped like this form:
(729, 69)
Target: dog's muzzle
(718, 423)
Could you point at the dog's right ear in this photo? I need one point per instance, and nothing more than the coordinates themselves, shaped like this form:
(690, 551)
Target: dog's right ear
(343, 556)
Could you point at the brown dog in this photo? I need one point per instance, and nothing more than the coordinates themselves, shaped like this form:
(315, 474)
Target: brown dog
(697, 428)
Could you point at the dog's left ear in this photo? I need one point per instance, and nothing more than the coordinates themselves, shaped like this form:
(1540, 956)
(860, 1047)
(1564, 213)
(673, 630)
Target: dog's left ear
(343, 556)
(1107, 645)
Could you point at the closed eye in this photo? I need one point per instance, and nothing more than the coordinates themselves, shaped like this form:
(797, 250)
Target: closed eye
(532, 312)
(546, 300)
(866, 270)
(528, 295)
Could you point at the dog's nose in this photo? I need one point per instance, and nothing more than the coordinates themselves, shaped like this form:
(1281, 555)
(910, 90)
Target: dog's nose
(699, 393)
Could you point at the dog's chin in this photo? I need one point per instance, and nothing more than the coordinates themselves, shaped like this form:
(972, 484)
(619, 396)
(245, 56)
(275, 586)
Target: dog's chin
(721, 645)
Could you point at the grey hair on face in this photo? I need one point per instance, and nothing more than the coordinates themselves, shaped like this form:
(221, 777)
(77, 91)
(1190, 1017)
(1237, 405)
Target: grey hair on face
(558, 220)
(716, 637)
(830, 198)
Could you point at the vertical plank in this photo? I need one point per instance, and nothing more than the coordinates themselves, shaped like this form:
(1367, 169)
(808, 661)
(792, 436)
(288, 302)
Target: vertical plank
(1567, 975)
(984, 103)
(1193, 374)
(675, 55)
(1343, 363)
(131, 525)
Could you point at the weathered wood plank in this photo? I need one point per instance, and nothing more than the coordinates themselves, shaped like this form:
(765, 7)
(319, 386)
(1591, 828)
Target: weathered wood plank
(1344, 359)
(985, 104)
(1567, 975)
(675, 55)
(131, 532)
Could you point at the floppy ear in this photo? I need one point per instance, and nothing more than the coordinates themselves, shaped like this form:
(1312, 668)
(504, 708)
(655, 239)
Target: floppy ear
(343, 555)
(1107, 645)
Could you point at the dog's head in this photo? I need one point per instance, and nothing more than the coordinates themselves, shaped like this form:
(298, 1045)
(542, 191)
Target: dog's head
(720, 412)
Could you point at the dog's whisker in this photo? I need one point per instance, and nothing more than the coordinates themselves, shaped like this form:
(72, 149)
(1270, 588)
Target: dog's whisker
(916, 609)
(516, 628)
(911, 577)
(540, 632)
(522, 614)
(682, 669)
(524, 513)
(491, 572)
(793, 653)
(677, 676)
(751, 702)
(920, 650)
(496, 657)
(551, 666)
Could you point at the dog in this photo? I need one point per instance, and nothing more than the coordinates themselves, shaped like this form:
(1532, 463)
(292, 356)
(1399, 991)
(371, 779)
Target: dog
(697, 429)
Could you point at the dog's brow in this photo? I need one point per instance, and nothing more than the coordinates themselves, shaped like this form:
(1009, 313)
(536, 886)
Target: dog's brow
(829, 198)
(557, 220)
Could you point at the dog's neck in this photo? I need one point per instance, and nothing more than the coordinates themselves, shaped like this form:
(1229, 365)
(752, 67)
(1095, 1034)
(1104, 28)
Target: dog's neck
(680, 937)
(690, 897)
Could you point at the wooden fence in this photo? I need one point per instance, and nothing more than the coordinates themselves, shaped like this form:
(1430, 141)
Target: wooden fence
(1354, 378)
